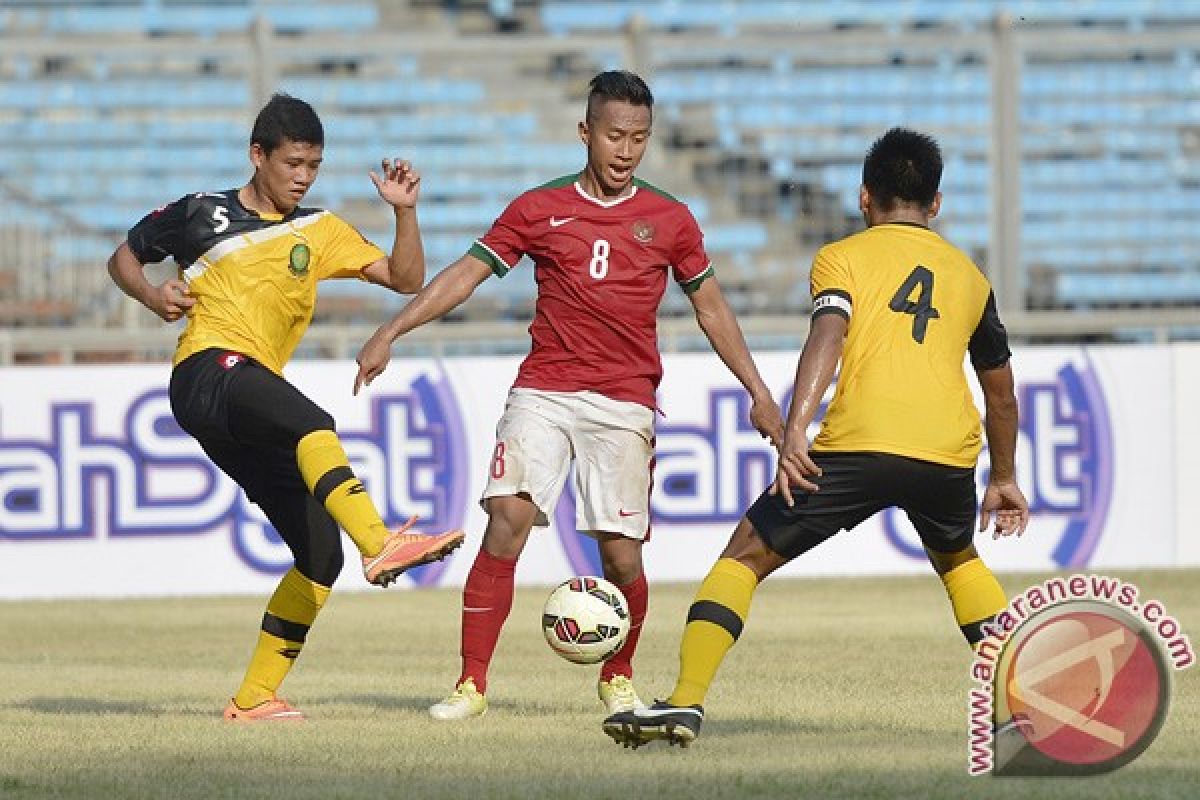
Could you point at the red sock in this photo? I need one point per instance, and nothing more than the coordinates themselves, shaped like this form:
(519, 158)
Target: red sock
(637, 594)
(487, 599)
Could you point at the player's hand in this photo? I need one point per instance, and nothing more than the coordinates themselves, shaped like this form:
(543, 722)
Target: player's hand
(795, 470)
(399, 184)
(372, 359)
(1006, 501)
(171, 300)
(767, 420)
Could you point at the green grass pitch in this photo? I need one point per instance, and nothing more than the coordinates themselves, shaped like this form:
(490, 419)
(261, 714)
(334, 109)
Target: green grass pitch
(844, 687)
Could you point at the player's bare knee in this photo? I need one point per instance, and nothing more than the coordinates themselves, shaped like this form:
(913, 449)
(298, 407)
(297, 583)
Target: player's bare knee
(510, 520)
(748, 547)
(621, 559)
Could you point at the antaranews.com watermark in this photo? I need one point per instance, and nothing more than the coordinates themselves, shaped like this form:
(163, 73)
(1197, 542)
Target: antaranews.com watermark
(1074, 678)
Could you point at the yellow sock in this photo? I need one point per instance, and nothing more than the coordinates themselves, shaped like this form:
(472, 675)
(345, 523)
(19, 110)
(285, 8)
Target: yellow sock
(976, 596)
(290, 613)
(714, 623)
(326, 471)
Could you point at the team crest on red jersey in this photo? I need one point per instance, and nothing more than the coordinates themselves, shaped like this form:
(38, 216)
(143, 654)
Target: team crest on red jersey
(643, 231)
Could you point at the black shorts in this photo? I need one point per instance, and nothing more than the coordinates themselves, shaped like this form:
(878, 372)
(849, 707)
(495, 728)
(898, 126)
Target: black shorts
(938, 499)
(248, 419)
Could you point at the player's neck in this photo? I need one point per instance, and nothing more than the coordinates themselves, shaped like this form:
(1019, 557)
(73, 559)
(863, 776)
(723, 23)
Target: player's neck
(254, 198)
(905, 216)
(594, 189)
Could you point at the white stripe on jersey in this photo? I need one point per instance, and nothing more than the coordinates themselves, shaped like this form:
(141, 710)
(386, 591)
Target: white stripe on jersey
(235, 243)
(495, 255)
(604, 203)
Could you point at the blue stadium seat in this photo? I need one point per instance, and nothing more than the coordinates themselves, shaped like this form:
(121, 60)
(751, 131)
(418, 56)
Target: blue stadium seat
(196, 18)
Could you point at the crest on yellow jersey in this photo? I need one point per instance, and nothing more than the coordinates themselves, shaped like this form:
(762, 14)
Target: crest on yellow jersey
(299, 259)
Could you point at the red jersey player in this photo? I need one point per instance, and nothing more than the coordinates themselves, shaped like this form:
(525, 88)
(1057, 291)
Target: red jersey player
(602, 243)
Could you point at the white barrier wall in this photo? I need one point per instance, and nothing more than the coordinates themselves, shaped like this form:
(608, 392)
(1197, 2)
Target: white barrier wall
(102, 494)
(1180, 463)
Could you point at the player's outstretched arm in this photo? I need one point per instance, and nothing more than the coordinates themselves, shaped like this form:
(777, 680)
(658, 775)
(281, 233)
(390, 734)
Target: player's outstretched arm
(1002, 497)
(399, 186)
(719, 324)
(448, 289)
(814, 373)
(170, 301)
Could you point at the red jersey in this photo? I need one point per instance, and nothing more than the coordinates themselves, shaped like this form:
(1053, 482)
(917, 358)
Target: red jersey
(601, 269)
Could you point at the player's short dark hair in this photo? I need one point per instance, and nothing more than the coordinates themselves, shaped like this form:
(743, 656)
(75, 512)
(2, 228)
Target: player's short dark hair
(286, 118)
(903, 166)
(617, 84)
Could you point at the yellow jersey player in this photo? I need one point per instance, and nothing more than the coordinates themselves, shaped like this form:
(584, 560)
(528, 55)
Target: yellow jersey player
(900, 308)
(250, 260)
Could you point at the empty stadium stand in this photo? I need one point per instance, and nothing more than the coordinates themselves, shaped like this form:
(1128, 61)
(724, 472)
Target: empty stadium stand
(109, 108)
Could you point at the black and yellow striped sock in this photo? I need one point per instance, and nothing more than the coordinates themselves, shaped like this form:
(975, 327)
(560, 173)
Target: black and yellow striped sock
(714, 623)
(290, 613)
(326, 471)
(976, 596)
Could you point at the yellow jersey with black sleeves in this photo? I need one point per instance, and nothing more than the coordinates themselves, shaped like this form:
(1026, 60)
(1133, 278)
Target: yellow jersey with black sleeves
(254, 276)
(916, 305)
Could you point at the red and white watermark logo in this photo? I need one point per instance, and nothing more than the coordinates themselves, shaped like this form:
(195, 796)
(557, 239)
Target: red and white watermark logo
(1075, 679)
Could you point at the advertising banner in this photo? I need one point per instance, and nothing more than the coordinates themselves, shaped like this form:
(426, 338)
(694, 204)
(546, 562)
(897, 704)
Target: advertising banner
(101, 493)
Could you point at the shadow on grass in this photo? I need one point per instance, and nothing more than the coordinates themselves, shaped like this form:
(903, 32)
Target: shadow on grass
(90, 706)
(773, 726)
(383, 702)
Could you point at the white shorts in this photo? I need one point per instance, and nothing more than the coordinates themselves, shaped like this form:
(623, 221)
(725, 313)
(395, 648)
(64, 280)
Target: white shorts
(610, 441)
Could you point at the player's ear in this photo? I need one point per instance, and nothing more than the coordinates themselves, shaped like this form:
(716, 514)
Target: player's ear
(936, 205)
(864, 199)
(584, 133)
(258, 156)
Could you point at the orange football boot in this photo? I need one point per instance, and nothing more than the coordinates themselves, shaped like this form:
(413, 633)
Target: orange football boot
(402, 550)
(274, 710)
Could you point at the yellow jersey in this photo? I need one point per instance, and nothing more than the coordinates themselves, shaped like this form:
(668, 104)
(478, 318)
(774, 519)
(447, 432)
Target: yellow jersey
(254, 276)
(916, 305)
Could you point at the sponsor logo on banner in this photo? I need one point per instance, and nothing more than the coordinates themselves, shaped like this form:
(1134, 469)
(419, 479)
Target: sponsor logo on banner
(153, 480)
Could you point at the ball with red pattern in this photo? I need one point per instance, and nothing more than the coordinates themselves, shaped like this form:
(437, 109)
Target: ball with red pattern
(585, 620)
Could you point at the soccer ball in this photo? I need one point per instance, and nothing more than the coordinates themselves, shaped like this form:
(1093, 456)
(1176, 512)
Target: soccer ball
(585, 620)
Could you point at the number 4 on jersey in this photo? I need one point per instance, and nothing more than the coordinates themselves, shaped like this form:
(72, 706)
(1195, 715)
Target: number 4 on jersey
(922, 308)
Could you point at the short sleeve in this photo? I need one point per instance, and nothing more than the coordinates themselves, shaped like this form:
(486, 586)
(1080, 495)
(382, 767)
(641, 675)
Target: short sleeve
(347, 252)
(507, 240)
(160, 233)
(989, 342)
(689, 260)
(830, 284)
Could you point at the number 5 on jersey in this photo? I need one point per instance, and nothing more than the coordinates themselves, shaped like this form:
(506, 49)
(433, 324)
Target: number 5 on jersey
(922, 308)
(220, 219)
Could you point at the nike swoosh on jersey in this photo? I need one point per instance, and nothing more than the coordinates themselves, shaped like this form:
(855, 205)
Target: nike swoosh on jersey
(625, 513)
(555, 222)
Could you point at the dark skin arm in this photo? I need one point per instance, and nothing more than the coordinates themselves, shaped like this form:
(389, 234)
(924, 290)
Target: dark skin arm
(404, 270)
(170, 300)
(1002, 497)
(448, 289)
(814, 373)
(719, 324)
